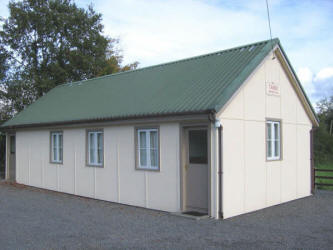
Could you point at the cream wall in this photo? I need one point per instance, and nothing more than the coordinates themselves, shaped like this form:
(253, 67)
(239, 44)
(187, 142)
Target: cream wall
(249, 181)
(118, 181)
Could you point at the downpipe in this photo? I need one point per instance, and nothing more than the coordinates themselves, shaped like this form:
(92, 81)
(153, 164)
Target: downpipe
(218, 125)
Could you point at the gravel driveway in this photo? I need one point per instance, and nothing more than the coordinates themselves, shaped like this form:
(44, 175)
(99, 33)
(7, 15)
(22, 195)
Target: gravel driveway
(37, 219)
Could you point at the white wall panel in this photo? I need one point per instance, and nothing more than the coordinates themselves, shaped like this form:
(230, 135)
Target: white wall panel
(132, 181)
(106, 178)
(117, 181)
(233, 176)
(303, 161)
(162, 186)
(67, 170)
(22, 158)
(273, 184)
(289, 167)
(38, 148)
(266, 182)
(289, 100)
(255, 169)
(254, 98)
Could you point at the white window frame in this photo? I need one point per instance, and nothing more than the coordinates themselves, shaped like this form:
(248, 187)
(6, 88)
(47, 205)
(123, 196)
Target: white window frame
(57, 146)
(148, 149)
(274, 138)
(96, 148)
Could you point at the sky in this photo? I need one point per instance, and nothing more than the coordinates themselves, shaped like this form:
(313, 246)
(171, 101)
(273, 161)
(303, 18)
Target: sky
(158, 31)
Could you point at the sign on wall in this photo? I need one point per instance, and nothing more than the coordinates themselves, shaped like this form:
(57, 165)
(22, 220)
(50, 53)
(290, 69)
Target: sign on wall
(272, 88)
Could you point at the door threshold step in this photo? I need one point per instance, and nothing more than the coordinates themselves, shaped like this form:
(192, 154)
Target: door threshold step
(194, 215)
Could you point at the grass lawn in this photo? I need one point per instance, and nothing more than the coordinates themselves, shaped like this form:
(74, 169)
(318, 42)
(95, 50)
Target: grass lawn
(318, 180)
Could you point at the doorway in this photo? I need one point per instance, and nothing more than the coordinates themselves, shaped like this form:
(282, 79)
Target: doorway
(11, 175)
(196, 170)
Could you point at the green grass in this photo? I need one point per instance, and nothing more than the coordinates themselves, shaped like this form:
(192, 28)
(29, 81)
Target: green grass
(318, 180)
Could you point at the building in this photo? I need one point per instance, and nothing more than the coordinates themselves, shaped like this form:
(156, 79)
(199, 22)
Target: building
(224, 133)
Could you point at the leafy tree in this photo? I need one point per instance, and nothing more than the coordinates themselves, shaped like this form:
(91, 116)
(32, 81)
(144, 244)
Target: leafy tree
(113, 64)
(51, 42)
(3, 62)
(325, 111)
(323, 140)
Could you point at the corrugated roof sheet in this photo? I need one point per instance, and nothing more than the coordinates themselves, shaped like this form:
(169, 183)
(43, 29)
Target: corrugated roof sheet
(200, 83)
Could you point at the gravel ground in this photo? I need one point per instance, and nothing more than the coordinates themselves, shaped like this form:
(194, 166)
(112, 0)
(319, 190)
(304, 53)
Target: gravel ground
(37, 219)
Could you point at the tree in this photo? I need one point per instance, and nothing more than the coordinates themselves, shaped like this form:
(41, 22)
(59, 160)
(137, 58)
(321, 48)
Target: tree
(323, 140)
(51, 42)
(325, 112)
(3, 62)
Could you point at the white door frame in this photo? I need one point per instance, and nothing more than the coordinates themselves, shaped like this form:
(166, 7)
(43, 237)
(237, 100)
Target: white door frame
(183, 161)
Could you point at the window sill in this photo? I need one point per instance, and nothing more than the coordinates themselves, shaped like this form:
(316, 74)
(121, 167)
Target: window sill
(148, 169)
(94, 166)
(268, 160)
(56, 162)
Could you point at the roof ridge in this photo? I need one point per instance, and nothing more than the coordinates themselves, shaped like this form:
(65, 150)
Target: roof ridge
(169, 63)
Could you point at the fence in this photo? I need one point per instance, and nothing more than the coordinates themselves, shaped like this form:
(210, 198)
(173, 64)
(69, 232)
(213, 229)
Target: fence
(328, 176)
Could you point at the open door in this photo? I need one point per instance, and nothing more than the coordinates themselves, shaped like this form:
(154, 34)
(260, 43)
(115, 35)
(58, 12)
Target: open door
(11, 167)
(196, 170)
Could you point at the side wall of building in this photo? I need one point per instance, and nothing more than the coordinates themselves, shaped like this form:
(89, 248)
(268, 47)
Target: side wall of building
(249, 181)
(117, 181)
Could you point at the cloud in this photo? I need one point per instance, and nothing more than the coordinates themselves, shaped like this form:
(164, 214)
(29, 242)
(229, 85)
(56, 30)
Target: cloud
(305, 75)
(319, 85)
(324, 74)
(162, 30)
(158, 31)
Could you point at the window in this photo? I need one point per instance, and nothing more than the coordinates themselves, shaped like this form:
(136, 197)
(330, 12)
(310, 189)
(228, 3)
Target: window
(95, 148)
(56, 147)
(12, 144)
(148, 149)
(273, 140)
(198, 146)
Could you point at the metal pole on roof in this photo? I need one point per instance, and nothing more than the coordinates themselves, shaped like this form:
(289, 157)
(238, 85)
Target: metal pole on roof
(269, 26)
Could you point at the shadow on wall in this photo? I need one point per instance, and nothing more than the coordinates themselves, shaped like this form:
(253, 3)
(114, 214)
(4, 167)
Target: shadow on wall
(2, 155)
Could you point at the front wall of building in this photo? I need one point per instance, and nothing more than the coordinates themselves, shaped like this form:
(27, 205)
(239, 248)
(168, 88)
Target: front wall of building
(249, 181)
(117, 181)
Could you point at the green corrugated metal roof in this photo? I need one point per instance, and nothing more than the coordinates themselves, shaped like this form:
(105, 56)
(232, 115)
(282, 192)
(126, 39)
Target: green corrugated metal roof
(196, 84)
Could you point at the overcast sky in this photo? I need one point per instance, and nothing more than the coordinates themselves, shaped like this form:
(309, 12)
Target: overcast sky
(157, 31)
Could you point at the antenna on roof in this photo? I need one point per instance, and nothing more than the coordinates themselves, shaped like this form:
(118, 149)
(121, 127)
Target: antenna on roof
(269, 26)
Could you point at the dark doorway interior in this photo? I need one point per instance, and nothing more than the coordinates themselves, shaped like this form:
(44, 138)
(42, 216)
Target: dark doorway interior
(195, 213)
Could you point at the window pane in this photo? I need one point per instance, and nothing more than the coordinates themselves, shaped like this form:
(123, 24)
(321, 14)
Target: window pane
(277, 148)
(53, 140)
(100, 140)
(100, 156)
(91, 148)
(60, 154)
(55, 154)
(60, 147)
(91, 140)
(269, 149)
(92, 156)
(12, 144)
(276, 131)
(143, 157)
(60, 140)
(153, 139)
(154, 157)
(100, 147)
(269, 131)
(142, 139)
(198, 146)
